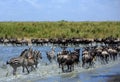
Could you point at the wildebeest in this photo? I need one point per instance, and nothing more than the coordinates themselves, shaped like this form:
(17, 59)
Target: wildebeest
(51, 55)
(76, 55)
(113, 53)
(104, 56)
(69, 62)
(67, 58)
(61, 56)
(87, 58)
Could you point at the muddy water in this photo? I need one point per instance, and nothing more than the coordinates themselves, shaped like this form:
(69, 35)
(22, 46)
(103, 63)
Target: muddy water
(47, 72)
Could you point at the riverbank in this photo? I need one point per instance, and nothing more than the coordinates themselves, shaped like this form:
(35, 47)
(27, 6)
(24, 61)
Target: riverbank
(59, 29)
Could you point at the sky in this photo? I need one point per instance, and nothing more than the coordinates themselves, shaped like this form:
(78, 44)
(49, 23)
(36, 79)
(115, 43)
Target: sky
(56, 10)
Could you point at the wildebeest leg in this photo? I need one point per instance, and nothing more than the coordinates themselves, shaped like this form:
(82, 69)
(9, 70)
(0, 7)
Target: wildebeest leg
(102, 59)
(62, 68)
(14, 70)
(23, 69)
(73, 67)
(68, 67)
(110, 56)
(36, 64)
(54, 58)
(59, 65)
(32, 68)
(78, 63)
(106, 59)
(50, 60)
(83, 62)
(91, 63)
(114, 56)
(27, 69)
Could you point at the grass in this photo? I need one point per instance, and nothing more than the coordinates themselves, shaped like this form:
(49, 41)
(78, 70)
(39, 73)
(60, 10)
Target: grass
(60, 29)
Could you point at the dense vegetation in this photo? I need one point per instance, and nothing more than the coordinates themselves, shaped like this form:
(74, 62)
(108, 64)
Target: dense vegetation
(60, 29)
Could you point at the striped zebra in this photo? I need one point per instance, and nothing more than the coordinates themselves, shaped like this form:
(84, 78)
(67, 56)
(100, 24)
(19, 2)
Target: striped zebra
(28, 58)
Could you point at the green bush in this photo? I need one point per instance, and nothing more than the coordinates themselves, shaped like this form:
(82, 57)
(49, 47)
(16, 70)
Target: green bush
(60, 29)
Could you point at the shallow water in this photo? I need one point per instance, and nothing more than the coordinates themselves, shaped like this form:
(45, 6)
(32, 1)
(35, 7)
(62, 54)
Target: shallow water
(47, 72)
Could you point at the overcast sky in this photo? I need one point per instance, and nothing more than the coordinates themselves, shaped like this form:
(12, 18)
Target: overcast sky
(55, 10)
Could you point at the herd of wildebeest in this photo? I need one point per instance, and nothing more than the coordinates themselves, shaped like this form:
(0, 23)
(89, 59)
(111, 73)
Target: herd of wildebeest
(63, 41)
(67, 59)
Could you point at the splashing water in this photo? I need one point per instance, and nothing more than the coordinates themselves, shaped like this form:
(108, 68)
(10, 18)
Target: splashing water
(44, 70)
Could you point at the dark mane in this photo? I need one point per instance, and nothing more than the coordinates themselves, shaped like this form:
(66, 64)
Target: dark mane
(23, 52)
